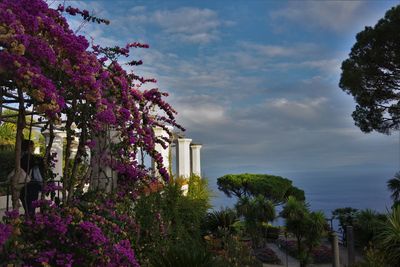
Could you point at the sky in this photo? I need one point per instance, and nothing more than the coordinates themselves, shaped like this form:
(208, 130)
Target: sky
(256, 82)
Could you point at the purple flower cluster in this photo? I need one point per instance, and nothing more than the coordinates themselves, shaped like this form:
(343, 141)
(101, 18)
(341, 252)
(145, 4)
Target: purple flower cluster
(12, 214)
(51, 187)
(93, 233)
(5, 233)
(126, 255)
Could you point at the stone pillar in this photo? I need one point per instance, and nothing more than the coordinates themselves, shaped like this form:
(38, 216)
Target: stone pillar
(103, 177)
(335, 250)
(195, 160)
(74, 147)
(160, 132)
(183, 157)
(57, 148)
(350, 245)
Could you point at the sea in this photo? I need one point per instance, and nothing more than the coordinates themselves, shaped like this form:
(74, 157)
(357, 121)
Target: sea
(326, 190)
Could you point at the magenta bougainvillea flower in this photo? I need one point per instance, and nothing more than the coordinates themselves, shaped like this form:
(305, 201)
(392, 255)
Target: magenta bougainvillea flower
(63, 76)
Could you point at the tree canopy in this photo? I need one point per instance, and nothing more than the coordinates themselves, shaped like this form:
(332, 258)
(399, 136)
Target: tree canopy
(371, 75)
(274, 188)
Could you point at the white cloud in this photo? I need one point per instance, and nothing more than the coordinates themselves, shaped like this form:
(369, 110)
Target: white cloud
(330, 66)
(196, 111)
(332, 15)
(307, 109)
(281, 50)
(189, 24)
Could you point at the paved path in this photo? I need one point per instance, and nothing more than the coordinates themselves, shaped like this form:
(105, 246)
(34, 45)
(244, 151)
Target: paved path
(292, 262)
(282, 256)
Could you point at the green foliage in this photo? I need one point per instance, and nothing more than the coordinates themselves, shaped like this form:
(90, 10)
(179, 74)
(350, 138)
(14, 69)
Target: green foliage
(367, 225)
(389, 238)
(295, 213)
(346, 216)
(317, 227)
(308, 227)
(272, 232)
(371, 75)
(198, 188)
(183, 255)
(7, 136)
(256, 211)
(221, 220)
(394, 187)
(275, 188)
(167, 218)
(373, 257)
(237, 254)
(8, 131)
(7, 162)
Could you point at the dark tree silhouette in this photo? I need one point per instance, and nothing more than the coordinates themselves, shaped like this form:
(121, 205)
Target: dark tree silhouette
(394, 187)
(371, 75)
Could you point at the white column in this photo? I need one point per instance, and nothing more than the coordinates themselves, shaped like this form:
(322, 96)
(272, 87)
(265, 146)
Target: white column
(160, 132)
(74, 147)
(57, 148)
(103, 177)
(196, 167)
(183, 157)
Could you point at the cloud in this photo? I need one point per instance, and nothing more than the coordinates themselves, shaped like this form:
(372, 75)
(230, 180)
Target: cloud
(189, 24)
(307, 109)
(331, 15)
(196, 111)
(263, 106)
(294, 50)
(330, 66)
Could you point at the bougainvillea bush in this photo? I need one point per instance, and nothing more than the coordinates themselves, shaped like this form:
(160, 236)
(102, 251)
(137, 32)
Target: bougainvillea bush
(65, 237)
(49, 70)
(56, 73)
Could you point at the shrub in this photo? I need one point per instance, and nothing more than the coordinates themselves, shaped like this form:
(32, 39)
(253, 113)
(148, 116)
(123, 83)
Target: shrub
(389, 237)
(272, 232)
(366, 227)
(237, 254)
(373, 257)
(90, 234)
(7, 161)
(183, 255)
(220, 220)
(166, 219)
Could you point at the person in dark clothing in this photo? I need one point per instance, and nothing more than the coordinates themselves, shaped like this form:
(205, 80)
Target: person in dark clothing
(32, 165)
